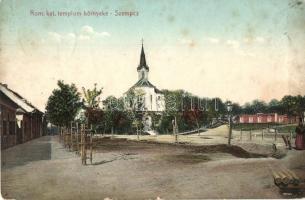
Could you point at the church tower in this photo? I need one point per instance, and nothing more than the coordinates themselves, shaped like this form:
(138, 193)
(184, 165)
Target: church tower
(142, 68)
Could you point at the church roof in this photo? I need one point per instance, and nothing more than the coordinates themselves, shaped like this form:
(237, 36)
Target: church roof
(142, 60)
(145, 83)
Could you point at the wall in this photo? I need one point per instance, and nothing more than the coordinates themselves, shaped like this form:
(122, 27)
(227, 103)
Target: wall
(8, 126)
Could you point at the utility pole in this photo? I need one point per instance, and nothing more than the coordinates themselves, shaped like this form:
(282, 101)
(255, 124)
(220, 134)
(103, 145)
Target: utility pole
(175, 130)
(229, 108)
(230, 130)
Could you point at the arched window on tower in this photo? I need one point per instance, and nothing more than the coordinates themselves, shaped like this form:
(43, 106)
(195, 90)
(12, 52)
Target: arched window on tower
(143, 74)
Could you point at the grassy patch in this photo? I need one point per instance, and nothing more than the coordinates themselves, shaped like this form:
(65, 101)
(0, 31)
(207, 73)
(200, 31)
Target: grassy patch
(258, 126)
(287, 128)
(252, 126)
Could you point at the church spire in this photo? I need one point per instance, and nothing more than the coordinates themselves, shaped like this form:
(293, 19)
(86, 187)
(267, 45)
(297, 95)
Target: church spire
(142, 60)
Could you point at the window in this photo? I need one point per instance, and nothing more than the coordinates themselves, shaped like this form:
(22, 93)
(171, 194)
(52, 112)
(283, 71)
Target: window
(12, 127)
(4, 128)
(259, 119)
(140, 103)
(250, 119)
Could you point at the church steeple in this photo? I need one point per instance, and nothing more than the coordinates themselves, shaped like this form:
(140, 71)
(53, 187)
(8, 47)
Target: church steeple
(142, 60)
(142, 68)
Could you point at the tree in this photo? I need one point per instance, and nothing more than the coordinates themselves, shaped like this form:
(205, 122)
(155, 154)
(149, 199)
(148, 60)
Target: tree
(174, 105)
(236, 109)
(91, 102)
(275, 106)
(115, 115)
(299, 105)
(135, 107)
(110, 109)
(63, 104)
(92, 97)
(248, 109)
(259, 106)
(288, 103)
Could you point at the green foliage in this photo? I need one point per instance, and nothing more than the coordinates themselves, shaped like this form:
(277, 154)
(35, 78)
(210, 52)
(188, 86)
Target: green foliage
(63, 104)
(189, 111)
(293, 105)
(93, 113)
(116, 118)
(290, 105)
(92, 97)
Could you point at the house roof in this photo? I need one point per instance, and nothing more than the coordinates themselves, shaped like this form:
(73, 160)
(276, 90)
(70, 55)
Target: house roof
(18, 99)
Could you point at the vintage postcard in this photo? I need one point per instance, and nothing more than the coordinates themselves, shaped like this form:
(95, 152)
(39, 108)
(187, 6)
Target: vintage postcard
(140, 99)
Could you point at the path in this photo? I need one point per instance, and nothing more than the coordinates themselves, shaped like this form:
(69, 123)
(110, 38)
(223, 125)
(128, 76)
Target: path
(42, 169)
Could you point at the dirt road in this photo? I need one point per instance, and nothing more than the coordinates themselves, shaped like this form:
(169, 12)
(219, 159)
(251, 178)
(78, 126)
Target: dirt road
(43, 169)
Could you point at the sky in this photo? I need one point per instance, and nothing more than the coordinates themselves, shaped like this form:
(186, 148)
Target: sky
(237, 50)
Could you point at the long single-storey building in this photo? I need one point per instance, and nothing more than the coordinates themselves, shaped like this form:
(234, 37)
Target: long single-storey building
(267, 118)
(20, 121)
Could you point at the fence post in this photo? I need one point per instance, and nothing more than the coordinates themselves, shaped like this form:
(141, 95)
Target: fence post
(71, 137)
(176, 135)
(262, 134)
(250, 134)
(83, 144)
(91, 143)
(241, 134)
(63, 137)
(275, 134)
(60, 135)
(77, 142)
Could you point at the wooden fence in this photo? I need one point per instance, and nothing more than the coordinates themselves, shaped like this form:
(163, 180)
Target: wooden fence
(79, 139)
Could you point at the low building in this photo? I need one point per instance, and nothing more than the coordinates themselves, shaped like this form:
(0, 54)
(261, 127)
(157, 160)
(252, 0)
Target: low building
(20, 121)
(266, 118)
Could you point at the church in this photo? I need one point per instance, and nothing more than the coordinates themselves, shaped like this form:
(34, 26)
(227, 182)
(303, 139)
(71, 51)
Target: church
(146, 97)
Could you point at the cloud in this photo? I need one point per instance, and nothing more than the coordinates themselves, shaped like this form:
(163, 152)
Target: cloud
(87, 30)
(245, 53)
(55, 37)
(87, 33)
(260, 39)
(104, 34)
(186, 41)
(213, 40)
(84, 37)
(233, 43)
